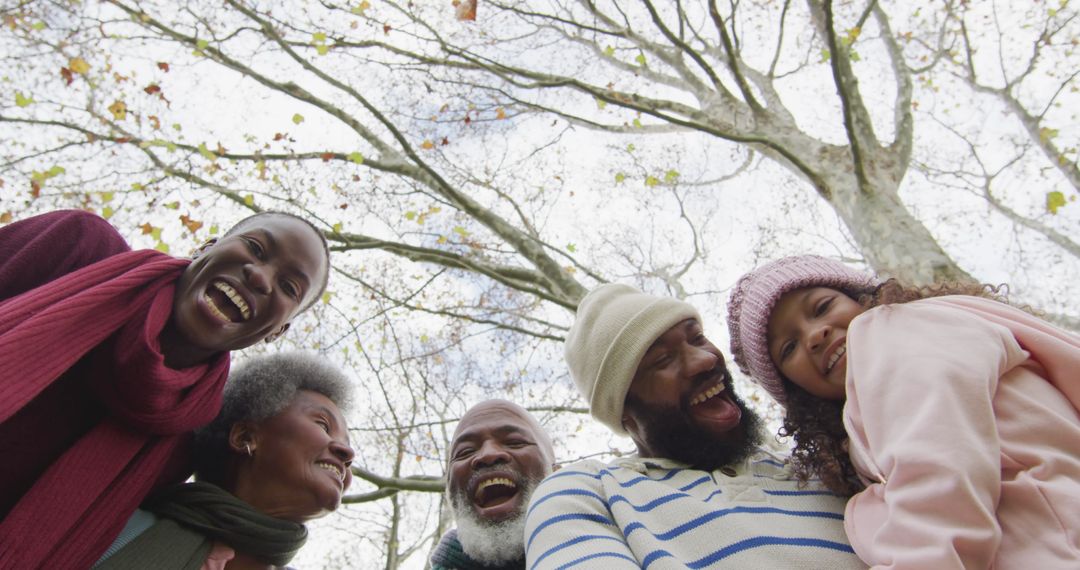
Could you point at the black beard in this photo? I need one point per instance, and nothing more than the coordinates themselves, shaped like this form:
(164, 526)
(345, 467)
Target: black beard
(672, 433)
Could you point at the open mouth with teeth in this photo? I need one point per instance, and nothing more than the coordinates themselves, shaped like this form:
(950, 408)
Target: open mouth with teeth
(714, 406)
(333, 469)
(495, 496)
(226, 303)
(835, 357)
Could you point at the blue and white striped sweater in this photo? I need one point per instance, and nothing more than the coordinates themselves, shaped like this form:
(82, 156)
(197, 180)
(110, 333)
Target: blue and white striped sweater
(658, 514)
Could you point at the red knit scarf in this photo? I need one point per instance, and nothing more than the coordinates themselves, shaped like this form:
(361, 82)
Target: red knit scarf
(78, 506)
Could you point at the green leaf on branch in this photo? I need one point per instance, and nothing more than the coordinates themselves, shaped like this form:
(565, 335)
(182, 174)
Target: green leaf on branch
(172, 205)
(619, 177)
(571, 247)
(609, 51)
(162, 247)
(359, 9)
(826, 55)
(249, 200)
(107, 212)
(356, 157)
(640, 59)
(600, 103)
(39, 178)
(337, 227)
(460, 231)
(852, 35)
(322, 49)
(671, 176)
(22, 100)
(106, 197)
(207, 153)
(410, 215)
(1047, 134)
(637, 123)
(651, 181)
(1054, 201)
(318, 38)
(297, 118)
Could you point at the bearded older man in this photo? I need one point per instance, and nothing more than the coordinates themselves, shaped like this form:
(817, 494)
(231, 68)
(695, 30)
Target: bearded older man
(498, 455)
(701, 492)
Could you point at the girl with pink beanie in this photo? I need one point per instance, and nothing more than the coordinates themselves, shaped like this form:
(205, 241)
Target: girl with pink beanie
(949, 417)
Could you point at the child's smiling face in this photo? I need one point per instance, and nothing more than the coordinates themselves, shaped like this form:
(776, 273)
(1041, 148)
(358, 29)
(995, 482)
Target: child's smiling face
(807, 339)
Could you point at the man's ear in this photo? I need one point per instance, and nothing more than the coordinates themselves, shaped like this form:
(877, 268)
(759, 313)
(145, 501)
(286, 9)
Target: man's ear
(202, 248)
(277, 334)
(243, 438)
(629, 423)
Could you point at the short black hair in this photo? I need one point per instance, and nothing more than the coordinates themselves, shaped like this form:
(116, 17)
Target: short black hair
(322, 238)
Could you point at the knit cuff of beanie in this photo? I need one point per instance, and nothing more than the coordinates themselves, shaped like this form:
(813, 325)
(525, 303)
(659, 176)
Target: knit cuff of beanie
(756, 294)
(616, 325)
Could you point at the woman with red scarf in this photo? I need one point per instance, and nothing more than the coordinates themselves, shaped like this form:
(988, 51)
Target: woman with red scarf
(109, 358)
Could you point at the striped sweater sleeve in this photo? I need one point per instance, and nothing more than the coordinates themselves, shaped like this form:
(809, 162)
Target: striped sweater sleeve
(569, 524)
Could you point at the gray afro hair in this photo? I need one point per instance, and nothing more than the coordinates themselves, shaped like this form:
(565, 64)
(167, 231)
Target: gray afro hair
(259, 389)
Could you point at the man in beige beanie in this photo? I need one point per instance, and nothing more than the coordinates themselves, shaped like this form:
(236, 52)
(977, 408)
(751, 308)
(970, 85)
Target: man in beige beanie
(700, 492)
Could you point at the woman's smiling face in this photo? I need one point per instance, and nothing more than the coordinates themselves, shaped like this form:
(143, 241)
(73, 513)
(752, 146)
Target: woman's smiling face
(247, 286)
(300, 457)
(807, 339)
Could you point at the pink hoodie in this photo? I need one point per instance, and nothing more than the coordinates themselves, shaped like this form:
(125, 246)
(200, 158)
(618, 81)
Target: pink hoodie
(962, 414)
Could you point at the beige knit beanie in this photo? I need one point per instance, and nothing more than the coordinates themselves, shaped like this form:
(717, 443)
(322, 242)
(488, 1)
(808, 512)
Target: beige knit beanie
(614, 327)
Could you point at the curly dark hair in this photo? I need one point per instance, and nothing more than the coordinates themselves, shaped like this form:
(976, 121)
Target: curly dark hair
(817, 425)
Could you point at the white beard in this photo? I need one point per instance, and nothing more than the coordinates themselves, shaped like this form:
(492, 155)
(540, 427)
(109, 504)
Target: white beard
(488, 543)
(492, 544)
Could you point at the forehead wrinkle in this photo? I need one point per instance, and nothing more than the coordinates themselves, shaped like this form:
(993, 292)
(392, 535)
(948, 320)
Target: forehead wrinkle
(474, 434)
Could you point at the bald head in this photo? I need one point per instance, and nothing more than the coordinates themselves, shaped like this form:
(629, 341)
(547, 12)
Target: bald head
(508, 414)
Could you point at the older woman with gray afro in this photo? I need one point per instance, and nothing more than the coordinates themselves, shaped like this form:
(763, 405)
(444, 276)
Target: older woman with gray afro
(275, 457)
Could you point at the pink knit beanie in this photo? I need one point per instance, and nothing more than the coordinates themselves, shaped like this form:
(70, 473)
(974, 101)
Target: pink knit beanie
(757, 292)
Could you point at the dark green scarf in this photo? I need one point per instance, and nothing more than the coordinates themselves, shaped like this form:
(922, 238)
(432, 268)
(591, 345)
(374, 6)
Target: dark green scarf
(449, 555)
(194, 516)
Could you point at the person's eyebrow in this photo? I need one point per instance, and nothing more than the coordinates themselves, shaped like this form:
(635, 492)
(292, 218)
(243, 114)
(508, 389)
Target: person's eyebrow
(331, 415)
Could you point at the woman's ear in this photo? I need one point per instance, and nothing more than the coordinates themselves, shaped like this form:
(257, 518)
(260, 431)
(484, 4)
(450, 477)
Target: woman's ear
(243, 438)
(202, 248)
(277, 334)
